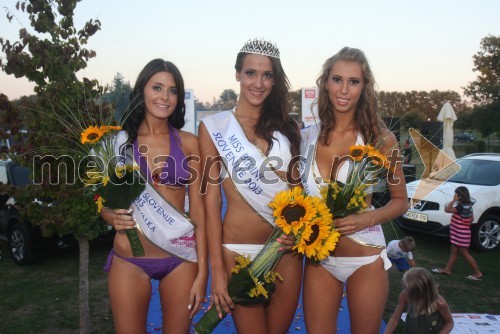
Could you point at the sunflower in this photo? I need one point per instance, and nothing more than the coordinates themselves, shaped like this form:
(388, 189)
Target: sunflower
(378, 159)
(108, 128)
(91, 135)
(291, 209)
(357, 152)
(314, 237)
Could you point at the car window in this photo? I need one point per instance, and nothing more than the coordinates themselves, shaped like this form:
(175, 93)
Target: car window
(472, 171)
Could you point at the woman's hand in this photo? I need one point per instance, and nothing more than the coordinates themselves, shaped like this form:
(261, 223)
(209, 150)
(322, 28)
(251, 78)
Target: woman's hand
(120, 219)
(220, 296)
(197, 295)
(352, 223)
(287, 242)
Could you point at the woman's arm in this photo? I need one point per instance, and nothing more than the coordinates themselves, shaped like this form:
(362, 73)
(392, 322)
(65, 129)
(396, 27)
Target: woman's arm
(396, 315)
(210, 188)
(445, 313)
(197, 214)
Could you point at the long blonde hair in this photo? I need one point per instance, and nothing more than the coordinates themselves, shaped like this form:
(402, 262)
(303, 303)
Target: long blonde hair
(368, 121)
(422, 291)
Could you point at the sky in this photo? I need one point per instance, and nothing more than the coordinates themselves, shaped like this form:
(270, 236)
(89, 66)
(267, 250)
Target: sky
(411, 45)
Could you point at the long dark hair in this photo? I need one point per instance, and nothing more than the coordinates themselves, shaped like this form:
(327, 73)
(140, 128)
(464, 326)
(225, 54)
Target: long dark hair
(368, 121)
(275, 115)
(463, 195)
(136, 109)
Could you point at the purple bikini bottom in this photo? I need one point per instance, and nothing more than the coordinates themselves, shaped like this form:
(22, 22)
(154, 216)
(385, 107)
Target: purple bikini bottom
(155, 268)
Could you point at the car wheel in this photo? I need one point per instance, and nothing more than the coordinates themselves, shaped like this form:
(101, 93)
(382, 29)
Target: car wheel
(20, 244)
(486, 234)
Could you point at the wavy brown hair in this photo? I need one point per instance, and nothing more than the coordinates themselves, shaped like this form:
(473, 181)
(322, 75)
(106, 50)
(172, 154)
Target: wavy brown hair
(275, 115)
(368, 122)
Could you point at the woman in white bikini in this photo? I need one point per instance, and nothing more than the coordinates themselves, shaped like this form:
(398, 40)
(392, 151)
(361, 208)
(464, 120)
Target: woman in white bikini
(347, 108)
(248, 150)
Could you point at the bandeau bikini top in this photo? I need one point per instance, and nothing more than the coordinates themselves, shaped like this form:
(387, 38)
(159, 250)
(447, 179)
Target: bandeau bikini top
(175, 167)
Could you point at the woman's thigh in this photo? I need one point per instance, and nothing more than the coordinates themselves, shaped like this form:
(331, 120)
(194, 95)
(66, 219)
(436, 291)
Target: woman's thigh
(175, 289)
(322, 296)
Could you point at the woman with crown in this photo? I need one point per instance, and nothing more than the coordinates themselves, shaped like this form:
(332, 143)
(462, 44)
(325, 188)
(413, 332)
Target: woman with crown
(347, 108)
(246, 154)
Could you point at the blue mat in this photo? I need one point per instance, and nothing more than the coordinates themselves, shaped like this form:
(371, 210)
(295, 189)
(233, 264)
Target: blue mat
(154, 323)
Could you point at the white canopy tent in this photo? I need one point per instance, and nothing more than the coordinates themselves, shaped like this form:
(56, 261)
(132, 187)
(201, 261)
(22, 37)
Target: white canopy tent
(446, 154)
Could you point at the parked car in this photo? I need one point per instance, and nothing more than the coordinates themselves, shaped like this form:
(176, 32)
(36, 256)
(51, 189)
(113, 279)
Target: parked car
(25, 241)
(465, 136)
(480, 173)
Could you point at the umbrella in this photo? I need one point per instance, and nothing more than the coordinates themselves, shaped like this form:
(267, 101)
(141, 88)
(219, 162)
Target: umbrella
(446, 155)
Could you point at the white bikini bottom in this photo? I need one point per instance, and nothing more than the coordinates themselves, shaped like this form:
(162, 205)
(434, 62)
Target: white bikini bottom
(343, 267)
(250, 250)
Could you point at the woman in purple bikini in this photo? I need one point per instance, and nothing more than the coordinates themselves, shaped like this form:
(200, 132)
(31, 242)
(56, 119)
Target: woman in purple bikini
(168, 158)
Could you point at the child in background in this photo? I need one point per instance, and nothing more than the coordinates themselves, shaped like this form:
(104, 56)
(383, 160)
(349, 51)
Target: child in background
(460, 234)
(427, 310)
(400, 253)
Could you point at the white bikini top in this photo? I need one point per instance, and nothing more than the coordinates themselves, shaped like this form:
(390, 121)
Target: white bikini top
(279, 156)
(342, 171)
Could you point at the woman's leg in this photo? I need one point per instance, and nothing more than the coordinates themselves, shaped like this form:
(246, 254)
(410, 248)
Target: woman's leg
(280, 311)
(367, 290)
(174, 297)
(322, 296)
(248, 319)
(470, 260)
(129, 293)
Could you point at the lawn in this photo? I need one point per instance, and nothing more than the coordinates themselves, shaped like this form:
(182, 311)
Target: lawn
(43, 298)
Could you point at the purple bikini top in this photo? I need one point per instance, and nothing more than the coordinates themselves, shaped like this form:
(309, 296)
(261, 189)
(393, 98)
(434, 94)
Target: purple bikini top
(175, 169)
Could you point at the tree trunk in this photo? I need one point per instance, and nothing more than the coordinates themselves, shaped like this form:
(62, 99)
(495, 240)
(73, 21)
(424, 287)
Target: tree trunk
(83, 244)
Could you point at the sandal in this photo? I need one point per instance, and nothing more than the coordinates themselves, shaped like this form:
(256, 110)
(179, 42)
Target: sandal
(439, 271)
(472, 278)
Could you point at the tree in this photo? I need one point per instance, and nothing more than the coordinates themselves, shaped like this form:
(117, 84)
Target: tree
(486, 118)
(50, 56)
(296, 102)
(227, 99)
(486, 88)
(117, 93)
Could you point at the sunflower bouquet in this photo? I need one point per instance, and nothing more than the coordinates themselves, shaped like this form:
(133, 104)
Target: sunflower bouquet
(304, 217)
(368, 167)
(116, 185)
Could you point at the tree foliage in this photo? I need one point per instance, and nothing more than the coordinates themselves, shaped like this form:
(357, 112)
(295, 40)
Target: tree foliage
(50, 54)
(418, 105)
(486, 88)
(117, 94)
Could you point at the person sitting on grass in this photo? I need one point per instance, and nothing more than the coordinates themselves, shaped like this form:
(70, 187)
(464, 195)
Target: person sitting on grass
(400, 253)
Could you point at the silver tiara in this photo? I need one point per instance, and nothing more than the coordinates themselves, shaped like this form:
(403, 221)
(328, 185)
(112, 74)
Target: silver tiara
(261, 47)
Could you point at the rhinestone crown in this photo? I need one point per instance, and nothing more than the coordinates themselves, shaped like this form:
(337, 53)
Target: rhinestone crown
(261, 47)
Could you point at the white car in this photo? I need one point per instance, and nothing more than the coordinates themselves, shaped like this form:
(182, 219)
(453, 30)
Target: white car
(480, 173)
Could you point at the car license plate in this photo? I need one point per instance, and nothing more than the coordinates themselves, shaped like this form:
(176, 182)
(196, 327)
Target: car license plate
(421, 217)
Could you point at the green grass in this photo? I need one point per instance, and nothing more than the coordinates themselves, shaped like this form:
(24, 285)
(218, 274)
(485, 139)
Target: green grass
(462, 296)
(43, 298)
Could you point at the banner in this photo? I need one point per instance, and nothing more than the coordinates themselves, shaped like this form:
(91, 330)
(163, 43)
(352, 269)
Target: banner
(309, 114)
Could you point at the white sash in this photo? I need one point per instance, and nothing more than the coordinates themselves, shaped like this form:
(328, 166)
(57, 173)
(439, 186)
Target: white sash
(158, 220)
(245, 164)
(310, 180)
